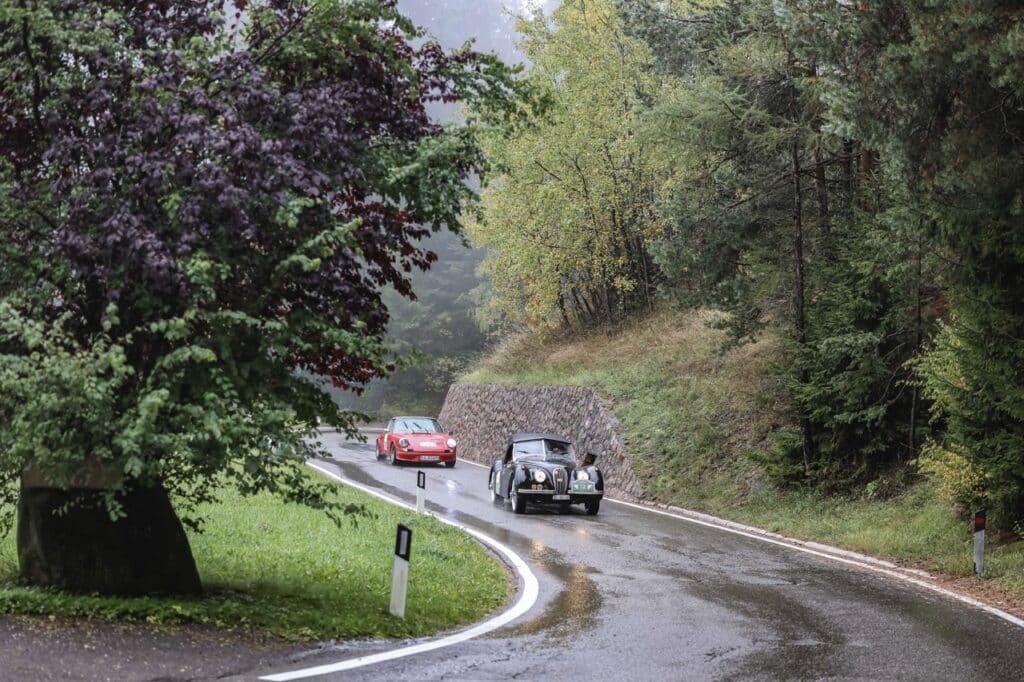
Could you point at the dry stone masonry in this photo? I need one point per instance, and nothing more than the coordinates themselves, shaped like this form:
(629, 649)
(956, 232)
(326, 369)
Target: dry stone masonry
(483, 415)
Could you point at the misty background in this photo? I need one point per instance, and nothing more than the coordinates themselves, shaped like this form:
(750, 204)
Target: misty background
(440, 329)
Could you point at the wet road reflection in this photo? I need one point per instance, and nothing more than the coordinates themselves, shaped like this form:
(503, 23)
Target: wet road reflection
(648, 597)
(574, 609)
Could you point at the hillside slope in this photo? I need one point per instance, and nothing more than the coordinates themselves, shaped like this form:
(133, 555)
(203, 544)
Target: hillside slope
(696, 419)
(691, 415)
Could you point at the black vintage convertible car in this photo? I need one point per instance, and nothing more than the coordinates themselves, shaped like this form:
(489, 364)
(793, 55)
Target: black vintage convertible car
(542, 468)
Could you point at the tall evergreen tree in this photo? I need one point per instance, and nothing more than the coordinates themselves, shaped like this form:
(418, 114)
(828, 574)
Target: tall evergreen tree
(774, 215)
(937, 88)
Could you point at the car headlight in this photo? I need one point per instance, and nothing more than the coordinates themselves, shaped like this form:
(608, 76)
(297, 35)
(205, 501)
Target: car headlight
(582, 475)
(540, 476)
(451, 443)
(404, 442)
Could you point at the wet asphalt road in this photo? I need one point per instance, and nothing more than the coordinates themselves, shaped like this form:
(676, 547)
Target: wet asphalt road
(632, 595)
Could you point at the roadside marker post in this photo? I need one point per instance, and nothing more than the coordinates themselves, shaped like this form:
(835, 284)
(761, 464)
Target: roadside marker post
(400, 571)
(421, 491)
(979, 542)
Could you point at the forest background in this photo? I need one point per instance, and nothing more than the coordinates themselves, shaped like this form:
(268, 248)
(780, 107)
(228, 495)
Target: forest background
(847, 175)
(843, 177)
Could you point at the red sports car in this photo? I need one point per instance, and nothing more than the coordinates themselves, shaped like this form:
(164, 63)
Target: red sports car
(416, 439)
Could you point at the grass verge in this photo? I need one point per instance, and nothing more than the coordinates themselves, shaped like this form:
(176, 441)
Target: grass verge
(695, 420)
(288, 571)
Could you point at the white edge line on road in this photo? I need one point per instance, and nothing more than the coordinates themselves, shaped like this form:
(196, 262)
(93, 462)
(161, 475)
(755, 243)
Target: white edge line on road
(850, 558)
(527, 598)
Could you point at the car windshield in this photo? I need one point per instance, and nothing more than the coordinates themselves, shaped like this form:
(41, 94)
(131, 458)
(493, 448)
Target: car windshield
(421, 425)
(548, 450)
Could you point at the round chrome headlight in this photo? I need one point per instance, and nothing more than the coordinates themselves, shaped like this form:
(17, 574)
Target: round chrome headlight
(451, 443)
(582, 475)
(404, 442)
(540, 476)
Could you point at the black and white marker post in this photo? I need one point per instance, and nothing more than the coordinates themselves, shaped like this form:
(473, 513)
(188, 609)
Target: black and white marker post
(421, 491)
(979, 542)
(400, 571)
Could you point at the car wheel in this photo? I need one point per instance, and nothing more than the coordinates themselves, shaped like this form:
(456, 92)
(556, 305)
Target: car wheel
(380, 455)
(450, 465)
(518, 501)
(592, 506)
(393, 458)
(492, 485)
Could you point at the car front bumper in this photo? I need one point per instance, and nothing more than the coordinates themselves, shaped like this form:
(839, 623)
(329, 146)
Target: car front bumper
(570, 496)
(426, 457)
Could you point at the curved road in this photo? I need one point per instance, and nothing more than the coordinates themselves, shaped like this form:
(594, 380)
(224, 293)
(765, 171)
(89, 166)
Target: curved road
(630, 594)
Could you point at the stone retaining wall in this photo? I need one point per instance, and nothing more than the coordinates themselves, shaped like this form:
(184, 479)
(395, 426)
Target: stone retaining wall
(483, 415)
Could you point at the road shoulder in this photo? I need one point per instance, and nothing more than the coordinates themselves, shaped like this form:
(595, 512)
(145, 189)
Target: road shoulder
(48, 648)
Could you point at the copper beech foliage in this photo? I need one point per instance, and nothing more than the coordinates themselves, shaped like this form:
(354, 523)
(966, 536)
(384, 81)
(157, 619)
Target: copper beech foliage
(214, 194)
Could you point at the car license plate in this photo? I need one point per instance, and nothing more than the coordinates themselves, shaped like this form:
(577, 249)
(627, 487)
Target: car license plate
(559, 497)
(429, 458)
(583, 486)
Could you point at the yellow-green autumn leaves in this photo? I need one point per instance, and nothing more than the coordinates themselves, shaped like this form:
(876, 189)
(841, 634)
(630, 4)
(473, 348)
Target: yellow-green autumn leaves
(568, 220)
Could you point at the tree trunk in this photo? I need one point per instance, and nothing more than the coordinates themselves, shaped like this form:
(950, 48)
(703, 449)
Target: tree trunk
(82, 550)
(799, 318)
(918, 322)
(561, 309)
(821, 187)
(584, 310)
(849, 184)
(868, 162)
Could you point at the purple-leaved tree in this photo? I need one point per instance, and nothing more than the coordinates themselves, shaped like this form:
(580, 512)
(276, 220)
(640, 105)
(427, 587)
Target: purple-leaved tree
(193, 208)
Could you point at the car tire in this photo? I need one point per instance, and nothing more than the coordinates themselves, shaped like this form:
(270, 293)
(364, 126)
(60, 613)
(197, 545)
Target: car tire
(450, 465)
(592, 506)
(492, 485)
(393, 458)
(380, 455)
(518, 501)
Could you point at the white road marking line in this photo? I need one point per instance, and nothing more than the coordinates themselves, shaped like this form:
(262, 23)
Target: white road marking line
(826, 552)
(838, 554)
(860, 563)
(527, 599)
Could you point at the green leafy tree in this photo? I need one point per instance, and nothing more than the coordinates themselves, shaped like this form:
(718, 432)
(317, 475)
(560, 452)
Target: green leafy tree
(568, 220)
(194, 207)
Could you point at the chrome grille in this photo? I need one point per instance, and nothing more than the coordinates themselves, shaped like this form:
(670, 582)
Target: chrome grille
(561, 479)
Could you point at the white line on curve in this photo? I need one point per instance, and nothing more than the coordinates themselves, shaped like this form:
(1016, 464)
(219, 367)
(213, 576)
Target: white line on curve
(526, 600)
(1008, 617)
(851, 558)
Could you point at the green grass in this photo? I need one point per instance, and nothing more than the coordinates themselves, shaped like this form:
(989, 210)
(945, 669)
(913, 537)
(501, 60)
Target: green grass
(915, 528)
(695, 418)
(692, 415)
(289, 571)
